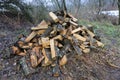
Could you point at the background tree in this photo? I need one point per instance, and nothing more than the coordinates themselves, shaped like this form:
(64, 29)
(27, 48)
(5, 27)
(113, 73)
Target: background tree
(119, 11)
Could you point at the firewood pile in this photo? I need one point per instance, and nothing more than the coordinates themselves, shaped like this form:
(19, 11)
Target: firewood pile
(50, 41)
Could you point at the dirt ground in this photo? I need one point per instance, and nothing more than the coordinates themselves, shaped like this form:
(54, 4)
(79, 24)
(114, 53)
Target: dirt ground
(99, 64)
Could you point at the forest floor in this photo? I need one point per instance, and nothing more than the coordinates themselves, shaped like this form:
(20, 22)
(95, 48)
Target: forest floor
(99, 64)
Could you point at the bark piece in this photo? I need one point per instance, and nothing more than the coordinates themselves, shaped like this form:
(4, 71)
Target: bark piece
(24, 66)
(56, 69)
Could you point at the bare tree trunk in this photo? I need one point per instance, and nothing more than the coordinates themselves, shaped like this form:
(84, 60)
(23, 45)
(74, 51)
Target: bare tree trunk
(78, 7)
(100, 5)
(64, 6)
(119, 11)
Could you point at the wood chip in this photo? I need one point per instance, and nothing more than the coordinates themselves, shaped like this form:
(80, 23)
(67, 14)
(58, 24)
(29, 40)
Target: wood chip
(63, 61)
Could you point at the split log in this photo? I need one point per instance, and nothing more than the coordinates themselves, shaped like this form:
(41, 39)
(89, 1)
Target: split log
(43, 25)
(58, 37)
(33, 59)
(73, 23)
(45, 42)
(53, 16)
(40, 59)
(47, 32)
(75, 46)
(86, 50)
(46, 54)
(39, 32)
(63, 61)
(31, 36)
(79, 37)
(76, 30)
(88, 31)
(73, 18)
(99, 44)
(52, 47)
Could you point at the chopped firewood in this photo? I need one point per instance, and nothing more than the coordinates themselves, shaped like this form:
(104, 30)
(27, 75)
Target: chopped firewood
(20, 43)
(60, 45)
(88, 31)
(73, 18)
(59, 37)
(67, 19)
(30, 44)
(63, 32)
(100, 44)
(53, 39)
(63, 61)
(76, 30)
(31, 36)
(37, 51)
(47, 60)
(16, 50)
(86, 50)
(47, 32)
(22, 54)
(53, 16)
(52, 47)
(33, 59)
(79, 37)
(40, 60)
(75, 46)
(43, 25)
(39, 32)
(82, 46)
(73, 23)
(90, 27)
(45, 42)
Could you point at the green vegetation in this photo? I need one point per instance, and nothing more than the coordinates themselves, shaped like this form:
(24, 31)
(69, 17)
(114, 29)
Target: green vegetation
(104, 28)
